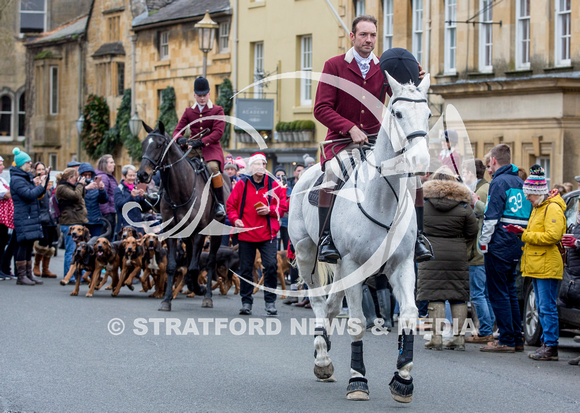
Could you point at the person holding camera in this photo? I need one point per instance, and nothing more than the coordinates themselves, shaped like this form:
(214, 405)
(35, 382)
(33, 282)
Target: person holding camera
(25, 192)
(70, 194)
(43, 248)
(94, 197)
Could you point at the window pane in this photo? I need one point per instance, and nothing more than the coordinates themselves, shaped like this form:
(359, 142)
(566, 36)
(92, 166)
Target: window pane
(120, 78)
(31, 23)
(54, 91)
(21, 104)
(32, 5)
(6, 104)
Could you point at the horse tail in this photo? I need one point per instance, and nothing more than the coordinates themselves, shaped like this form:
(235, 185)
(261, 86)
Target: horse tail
(325, 273)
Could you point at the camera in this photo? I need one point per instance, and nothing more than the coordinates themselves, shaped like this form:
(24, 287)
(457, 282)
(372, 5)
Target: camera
(283, 180)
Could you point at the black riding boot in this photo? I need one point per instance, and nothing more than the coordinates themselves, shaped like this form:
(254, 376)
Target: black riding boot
(217, 187)
(326, 250)
(423, 249)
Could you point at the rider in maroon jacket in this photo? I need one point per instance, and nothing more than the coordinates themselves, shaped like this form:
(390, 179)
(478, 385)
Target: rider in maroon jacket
(357, 116)
(211, 149)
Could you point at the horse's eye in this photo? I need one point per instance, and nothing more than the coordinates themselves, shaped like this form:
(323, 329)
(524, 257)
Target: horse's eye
(399, 115)
(430, 115)
(159, 145)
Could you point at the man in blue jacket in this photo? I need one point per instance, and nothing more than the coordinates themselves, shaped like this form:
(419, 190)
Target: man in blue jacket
(502, 249)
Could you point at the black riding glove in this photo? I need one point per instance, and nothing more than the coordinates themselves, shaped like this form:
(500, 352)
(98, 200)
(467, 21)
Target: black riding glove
(181, 141)
(196, 144)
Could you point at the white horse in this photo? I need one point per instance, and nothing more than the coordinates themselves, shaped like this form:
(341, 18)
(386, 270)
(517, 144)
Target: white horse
(374, 228)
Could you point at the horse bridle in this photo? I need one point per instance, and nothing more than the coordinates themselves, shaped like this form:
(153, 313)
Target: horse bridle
(416, 134)
(157, 166)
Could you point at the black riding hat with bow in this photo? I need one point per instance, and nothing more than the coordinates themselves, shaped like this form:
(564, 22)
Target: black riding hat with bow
(201, 86)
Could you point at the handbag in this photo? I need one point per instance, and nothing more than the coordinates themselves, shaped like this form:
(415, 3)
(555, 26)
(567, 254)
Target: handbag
(7, 211)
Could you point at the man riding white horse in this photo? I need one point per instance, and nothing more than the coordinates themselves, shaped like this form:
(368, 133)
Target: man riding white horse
(346, 116)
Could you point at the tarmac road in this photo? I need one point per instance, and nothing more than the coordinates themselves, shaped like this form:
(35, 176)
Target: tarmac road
(58, 355)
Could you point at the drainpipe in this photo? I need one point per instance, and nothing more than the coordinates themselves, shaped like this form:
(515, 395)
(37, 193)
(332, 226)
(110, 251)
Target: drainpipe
(81, 83)
(428, 38)
(235, 71)
(333, 10)
(133, 39)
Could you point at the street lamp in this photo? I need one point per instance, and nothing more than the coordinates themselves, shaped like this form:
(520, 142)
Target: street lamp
(206, 32)
(79, 124)
(135, 124)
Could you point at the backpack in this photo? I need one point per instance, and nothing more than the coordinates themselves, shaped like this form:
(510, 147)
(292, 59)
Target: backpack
(53, 207)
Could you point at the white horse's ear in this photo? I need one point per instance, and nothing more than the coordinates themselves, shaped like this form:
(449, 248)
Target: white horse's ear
(425, 84)
(395, 86)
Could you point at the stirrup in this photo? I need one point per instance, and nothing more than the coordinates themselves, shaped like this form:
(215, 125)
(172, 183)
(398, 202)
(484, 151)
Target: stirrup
(423, 249)
(327, 252)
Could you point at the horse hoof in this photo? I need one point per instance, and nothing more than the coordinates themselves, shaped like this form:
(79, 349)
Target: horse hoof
(165, 306)
(207, 303)
(401, 389)
(358, 396)
(331, 379)
(357, 389)
(323, 372)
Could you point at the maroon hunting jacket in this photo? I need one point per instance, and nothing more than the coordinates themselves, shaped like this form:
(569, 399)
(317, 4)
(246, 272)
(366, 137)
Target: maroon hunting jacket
(339, 111)
(212, 151)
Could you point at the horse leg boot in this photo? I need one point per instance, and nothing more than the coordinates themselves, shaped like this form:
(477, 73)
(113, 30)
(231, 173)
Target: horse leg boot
(358, 388)
(401, 384)
(217, 184)
(368, 306)
(436, 314)
(46, 273)
(459, 315)
(327, 252)
(423, 249)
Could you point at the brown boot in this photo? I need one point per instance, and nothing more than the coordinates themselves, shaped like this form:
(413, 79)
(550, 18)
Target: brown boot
(22, 274)
(38, 254)
(30, 275)
(545, 353)
(46, 273)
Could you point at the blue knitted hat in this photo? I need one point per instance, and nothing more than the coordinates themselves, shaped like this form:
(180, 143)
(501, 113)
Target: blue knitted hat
(20, 157)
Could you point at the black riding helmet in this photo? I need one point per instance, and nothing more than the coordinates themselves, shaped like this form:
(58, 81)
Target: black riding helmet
(401, 65)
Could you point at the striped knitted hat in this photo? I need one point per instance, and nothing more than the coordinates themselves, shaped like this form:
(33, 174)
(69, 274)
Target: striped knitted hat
(536, 183)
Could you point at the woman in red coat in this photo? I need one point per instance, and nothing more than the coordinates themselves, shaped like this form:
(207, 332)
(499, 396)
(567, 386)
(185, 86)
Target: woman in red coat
(211, 150)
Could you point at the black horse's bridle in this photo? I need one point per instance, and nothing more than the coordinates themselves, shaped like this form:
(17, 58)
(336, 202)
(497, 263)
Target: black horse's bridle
(416, 134)
(157, 164)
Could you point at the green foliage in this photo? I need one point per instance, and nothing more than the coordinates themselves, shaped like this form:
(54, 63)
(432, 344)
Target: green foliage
(226, 102)
(45, 54)
(167, 114)
(280, 126)
(295, 125)
(308, 125)
(130, 142)
(95, 135)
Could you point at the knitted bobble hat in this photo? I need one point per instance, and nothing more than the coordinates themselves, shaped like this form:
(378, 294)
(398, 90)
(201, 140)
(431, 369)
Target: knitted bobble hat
(20, 157)
(536, 183)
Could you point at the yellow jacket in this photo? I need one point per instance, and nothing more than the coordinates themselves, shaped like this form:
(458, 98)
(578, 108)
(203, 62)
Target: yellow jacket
(541, 258)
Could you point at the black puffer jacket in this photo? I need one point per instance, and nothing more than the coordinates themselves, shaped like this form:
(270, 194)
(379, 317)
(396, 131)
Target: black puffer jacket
(26, 206)
(449, 222)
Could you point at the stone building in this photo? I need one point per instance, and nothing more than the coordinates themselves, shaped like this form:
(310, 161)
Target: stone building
(54, 85)
(168, 54)
(20, 21)
(512, 70)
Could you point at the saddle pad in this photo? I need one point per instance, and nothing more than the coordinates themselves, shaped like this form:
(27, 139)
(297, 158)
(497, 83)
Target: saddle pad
(314, 193)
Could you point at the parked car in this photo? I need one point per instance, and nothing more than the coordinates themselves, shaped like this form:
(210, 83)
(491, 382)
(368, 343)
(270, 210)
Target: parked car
(569, 317)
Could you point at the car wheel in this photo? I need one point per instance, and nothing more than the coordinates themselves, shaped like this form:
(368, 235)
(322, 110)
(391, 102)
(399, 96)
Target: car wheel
(532, 327)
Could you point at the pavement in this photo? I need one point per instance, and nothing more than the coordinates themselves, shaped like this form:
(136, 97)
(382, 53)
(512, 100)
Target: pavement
(78, 354)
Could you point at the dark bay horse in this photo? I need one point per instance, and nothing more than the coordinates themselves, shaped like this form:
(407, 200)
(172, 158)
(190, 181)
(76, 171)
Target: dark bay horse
(187, 207)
